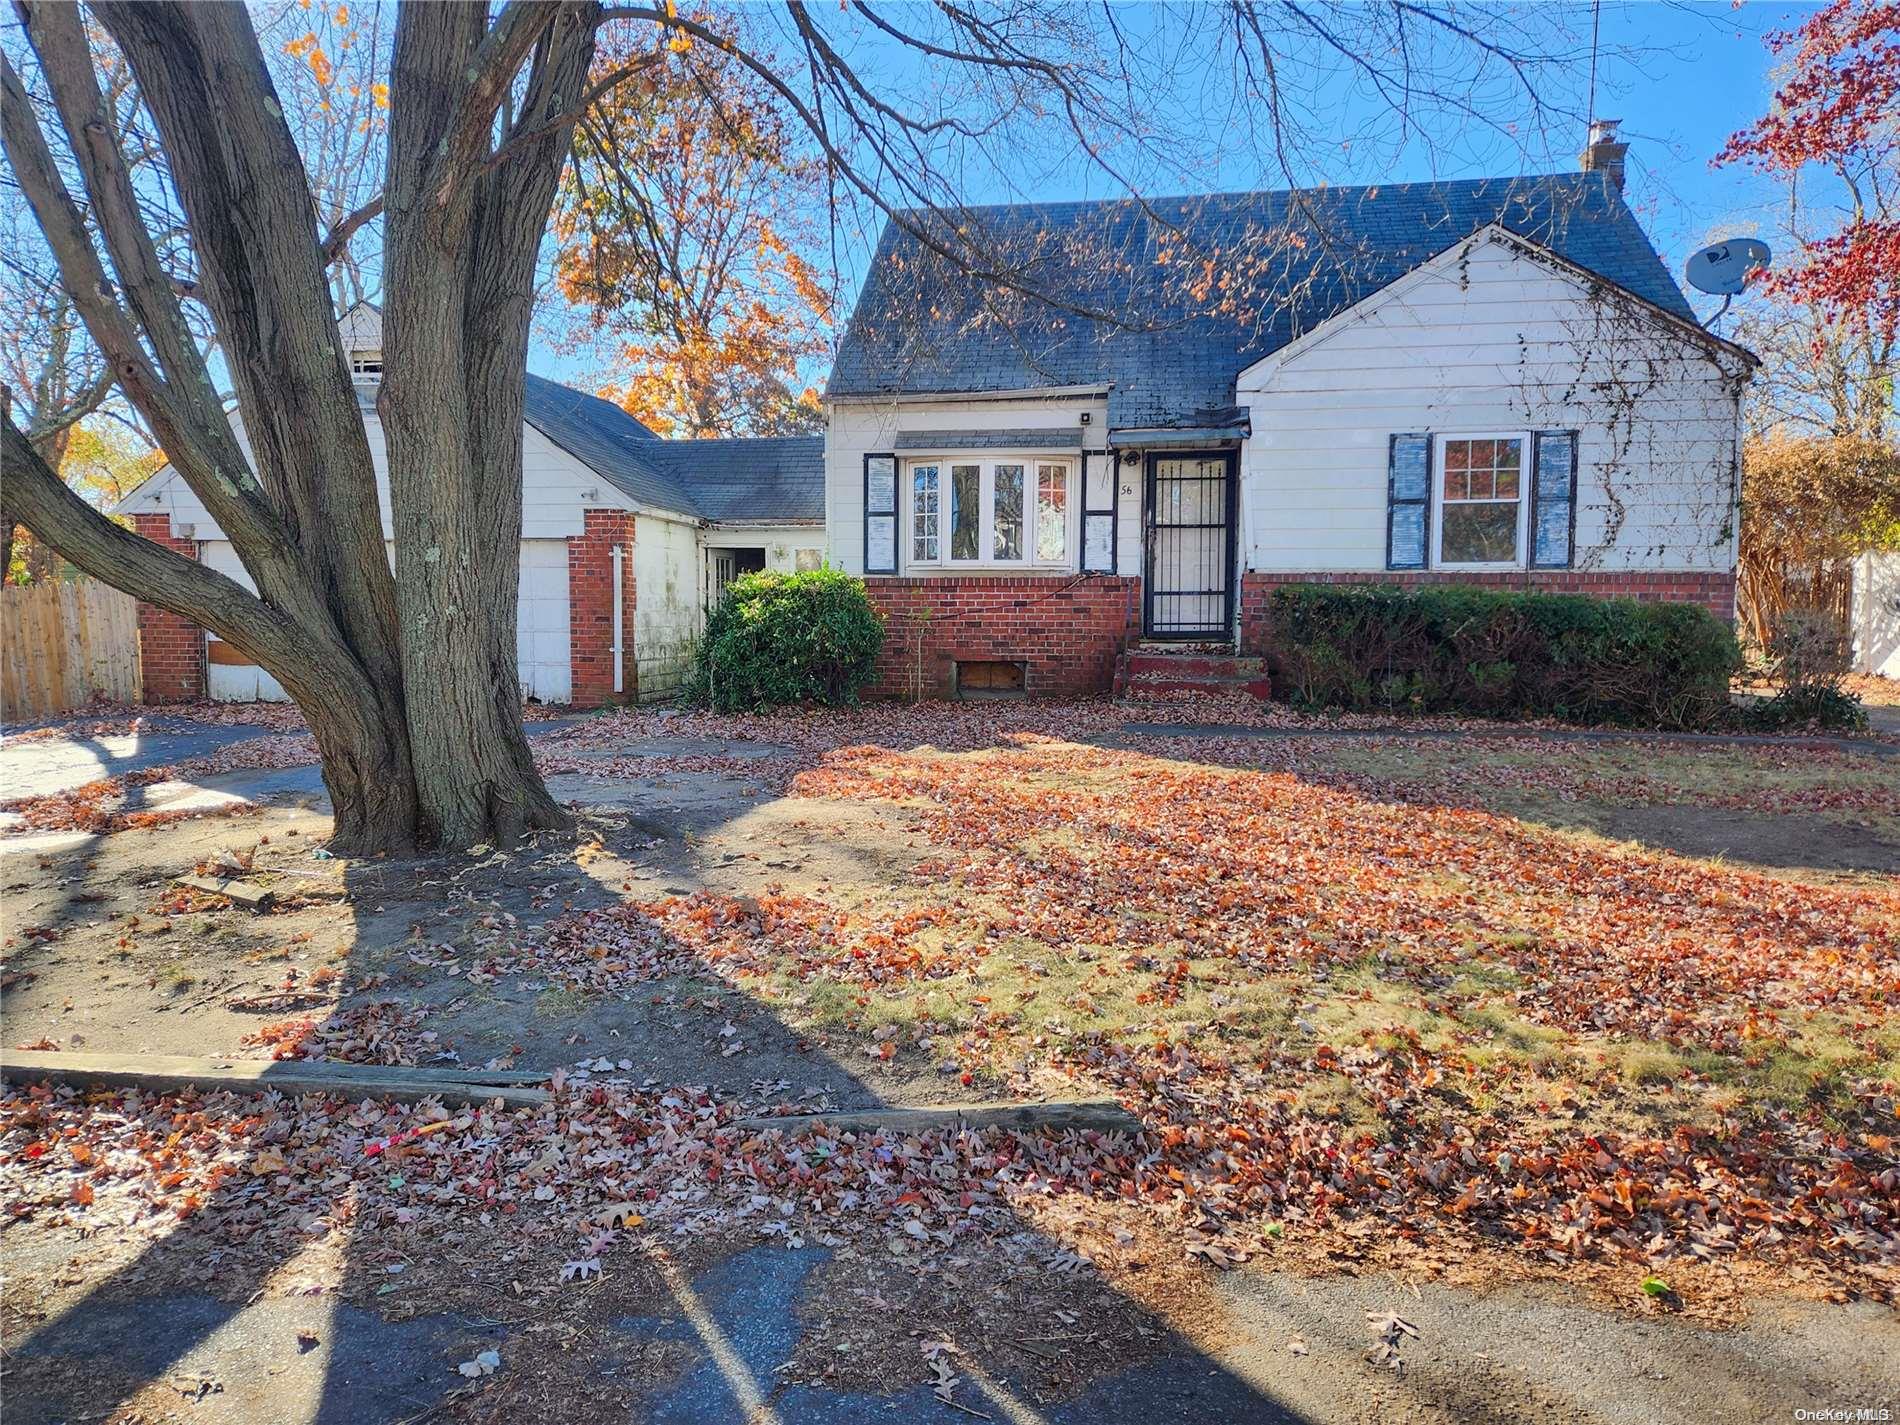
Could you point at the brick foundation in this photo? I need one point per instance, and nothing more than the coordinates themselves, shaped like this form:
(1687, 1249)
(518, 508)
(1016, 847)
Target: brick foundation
(590, 609)
(1066, 629)
(171, 647)
(1715, 592)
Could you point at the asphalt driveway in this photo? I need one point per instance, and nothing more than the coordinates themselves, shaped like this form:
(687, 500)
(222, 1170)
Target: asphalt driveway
(43, 766)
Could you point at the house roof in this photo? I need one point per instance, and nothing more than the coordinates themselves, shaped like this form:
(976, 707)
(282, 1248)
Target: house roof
(764, 478)
(1021, 438)
(740, 480)
(603, 437)
(746, 478)
(1171, 348)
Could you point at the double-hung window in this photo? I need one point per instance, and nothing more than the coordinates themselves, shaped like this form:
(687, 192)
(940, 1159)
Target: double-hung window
(1480, 500)
(926, 514)
(1052, 512)
(1001, 512)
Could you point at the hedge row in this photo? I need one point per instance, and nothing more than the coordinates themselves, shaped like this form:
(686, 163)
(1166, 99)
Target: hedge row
(1462, 650)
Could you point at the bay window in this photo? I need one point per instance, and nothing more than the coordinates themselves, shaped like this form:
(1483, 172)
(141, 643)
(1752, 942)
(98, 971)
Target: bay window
(966, 511)
(1006, 513)
(1052, 513)
(926, 513)
(992, 512)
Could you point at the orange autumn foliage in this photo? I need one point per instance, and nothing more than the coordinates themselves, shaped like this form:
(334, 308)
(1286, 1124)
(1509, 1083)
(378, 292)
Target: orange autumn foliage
(683, 224)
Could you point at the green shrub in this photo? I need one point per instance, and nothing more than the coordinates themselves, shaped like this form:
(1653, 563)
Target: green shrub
(779, 639)
(1810, 656)
(1823, 709)
(1459, 649)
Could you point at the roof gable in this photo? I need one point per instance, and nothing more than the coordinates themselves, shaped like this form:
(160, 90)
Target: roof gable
(362, 328)
(1455, 258)
(1285, 263)
(603, 437)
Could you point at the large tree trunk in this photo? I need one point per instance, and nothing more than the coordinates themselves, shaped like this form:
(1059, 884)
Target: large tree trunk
(458, 273)
(410, 684)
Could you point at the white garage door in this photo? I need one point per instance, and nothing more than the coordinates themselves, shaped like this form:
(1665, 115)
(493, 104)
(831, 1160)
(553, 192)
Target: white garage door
(230, 677)
(540, 630)
(541, 621)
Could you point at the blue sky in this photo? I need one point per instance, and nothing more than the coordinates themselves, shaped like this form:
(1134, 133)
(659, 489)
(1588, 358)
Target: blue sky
(1681, 76)
(1713, 80)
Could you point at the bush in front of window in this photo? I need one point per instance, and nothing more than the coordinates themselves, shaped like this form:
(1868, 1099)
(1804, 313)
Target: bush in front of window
(1462, 650)
(778, 640)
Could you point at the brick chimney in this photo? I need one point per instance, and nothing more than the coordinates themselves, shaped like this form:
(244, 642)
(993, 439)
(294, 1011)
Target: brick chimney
(1604, 154)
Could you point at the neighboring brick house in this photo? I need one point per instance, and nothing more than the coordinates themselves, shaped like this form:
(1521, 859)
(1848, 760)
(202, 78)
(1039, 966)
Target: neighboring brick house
(625, 538)
(1493, 382)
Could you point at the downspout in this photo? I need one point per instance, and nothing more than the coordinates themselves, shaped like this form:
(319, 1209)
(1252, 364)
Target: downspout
(620, 604)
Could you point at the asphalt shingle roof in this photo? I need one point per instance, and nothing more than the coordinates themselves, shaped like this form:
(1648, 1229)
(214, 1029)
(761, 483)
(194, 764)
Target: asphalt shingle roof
(767, 478)
(747, 477)
(923, 325)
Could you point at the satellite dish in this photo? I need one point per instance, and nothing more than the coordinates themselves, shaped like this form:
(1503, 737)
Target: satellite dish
(1722, 269)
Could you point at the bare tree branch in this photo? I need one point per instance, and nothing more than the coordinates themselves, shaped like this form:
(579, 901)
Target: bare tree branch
(36, 497)
(340, 235)
(205, 454)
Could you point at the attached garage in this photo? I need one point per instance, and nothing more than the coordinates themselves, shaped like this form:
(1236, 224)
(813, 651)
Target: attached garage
(541, 621)
(230, 677)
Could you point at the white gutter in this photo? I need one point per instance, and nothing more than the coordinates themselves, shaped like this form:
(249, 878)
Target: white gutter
(620, 600)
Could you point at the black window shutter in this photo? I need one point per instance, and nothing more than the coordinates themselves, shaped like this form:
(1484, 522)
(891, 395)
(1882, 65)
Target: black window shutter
(880, 514)
(1553, 499)
(1408, 511)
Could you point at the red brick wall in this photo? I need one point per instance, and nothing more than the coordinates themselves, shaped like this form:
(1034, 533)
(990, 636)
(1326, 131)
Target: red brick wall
(590, 608)
(1068, 629)
(171, 647)
(1715, 592)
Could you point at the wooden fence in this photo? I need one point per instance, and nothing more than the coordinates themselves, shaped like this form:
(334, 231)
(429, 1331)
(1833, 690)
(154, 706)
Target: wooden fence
(63, 644)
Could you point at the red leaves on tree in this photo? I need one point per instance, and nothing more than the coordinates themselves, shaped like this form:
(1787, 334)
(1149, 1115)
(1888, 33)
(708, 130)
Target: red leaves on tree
(1836, 110)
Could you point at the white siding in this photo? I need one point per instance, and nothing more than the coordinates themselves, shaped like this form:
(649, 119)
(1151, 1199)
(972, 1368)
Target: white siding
(666, 566)
(555, 490)
(858, 429)
(1490, 339)
(1877, 614)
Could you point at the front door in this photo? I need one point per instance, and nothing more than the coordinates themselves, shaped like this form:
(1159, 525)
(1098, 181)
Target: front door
(1189, 580)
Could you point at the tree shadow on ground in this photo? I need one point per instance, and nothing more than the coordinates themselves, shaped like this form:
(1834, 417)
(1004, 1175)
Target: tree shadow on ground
(288, 1296)
(39, 765)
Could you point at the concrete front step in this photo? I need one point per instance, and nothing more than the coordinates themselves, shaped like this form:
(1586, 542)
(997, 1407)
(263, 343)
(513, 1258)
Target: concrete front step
(1261, 688)
(1192, 665)
(1147, 673)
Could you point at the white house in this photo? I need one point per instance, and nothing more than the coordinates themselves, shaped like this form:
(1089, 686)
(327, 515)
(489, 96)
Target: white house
(1493, 382)
(625, 540)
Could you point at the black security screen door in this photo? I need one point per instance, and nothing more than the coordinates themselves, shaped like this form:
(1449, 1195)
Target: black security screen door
(1190, 576)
